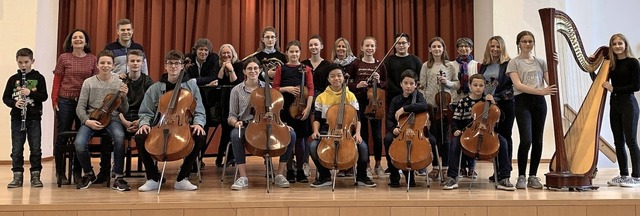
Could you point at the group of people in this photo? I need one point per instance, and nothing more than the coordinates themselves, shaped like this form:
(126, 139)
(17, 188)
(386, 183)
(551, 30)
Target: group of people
(517, 86)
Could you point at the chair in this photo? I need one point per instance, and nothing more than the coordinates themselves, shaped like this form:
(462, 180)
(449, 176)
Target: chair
(69, 151)
(494, 161)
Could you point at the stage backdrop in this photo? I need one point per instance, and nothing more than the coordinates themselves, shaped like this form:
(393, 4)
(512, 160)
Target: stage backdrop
(175, 24)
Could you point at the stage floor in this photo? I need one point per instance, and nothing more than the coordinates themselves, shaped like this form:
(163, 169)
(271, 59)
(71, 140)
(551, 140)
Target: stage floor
(215, 198)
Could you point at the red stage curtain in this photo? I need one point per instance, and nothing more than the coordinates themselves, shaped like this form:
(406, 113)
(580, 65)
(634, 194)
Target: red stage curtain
(175, 24)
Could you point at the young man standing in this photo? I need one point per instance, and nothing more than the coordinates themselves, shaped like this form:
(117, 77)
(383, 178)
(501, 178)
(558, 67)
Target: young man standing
(122, 45)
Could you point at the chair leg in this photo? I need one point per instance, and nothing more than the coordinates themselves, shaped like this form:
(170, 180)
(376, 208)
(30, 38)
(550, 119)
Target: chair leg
(224, 164)
(198, 167)
(495, 171)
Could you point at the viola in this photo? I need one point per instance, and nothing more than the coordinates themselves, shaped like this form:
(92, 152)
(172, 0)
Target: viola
(266, 134)
(338, 148)
(411, 149)
(110, 103)
(170, 139)
(375, 108)
(300, 103)
(480, 140)
(443, 99)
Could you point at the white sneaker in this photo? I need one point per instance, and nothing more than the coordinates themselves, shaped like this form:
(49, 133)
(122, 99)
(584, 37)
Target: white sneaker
(305, 168)
(240, 183)
(378, 171)
(617, 180)
(184, 184)
(370, 173)
(630, 182)
(281, 181)
(149, 186)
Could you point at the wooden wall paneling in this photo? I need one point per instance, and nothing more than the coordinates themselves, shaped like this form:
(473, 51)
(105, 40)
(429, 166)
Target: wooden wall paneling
(512, 210)
(460, 211)
(562, 210)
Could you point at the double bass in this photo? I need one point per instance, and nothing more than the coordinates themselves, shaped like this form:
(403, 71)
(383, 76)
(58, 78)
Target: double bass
(110, 103)
(337, 150)
(300, 103)
(480, 140)
(170, 139)
(266, 134)
(411, 149)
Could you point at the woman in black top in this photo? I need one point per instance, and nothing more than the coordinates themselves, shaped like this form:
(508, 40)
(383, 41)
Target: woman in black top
(623, 114)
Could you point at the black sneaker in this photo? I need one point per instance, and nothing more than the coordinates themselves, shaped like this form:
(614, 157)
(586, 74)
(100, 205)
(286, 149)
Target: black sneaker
(101, 178)
(365, 181)
(321, 182)
(291, 176)
(120, 185)
(301, 177)
(86, 181)
(394, 184)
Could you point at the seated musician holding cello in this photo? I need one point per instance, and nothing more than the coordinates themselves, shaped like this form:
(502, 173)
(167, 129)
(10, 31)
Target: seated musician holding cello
(95, 98)
(331, 96)
(463, 116)
(239, 117)
(399, 106)
(174, 63)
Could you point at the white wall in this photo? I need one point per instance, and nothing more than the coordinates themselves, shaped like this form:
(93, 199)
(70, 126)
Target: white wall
(32, 24)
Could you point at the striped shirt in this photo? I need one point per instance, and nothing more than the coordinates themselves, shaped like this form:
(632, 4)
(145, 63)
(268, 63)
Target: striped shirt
(239, 109)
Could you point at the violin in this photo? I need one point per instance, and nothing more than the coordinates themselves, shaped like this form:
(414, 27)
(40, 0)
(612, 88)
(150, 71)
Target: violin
(375, 108)
(266, 134)
(170, 139)
(110, 103)
(411, 149)
(480, 140)
(443, 99)
(338, 148)
(300, 103)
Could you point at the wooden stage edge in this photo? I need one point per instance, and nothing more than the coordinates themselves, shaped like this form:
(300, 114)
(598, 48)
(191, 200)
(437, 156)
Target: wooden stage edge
(215, 198)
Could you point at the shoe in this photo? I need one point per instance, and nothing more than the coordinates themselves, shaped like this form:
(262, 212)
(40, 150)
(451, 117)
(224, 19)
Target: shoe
(101, 178)
(472, 174)
(341, 173)
(86, 181)
(305, 169)
(120, 185)
(365, 181)
(301, 177)
(77, 177)
(422, 172)
(349, 172)
(35, 179)
(62, 180)
(450, 184)
(370, 173)
(630, 182)
(506, 185)
(492, 179)
(617, 180)
(462, 172)
(394, 184)
(534, 182)
(378, 171)
(282, 182)
(184, 184)
(521, 183)
(231, 162)
(433, 175)
(150, 185)
(219, 161)
(321, 182)
(386, 171)
(291, 176)
(17, 180)
(240, 183)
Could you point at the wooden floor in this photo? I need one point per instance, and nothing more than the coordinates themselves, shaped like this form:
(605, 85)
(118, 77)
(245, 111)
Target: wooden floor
(215, 198)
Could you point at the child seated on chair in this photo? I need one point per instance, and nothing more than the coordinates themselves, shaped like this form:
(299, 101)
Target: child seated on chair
(462, 118)
(239, 116)
(332, 96)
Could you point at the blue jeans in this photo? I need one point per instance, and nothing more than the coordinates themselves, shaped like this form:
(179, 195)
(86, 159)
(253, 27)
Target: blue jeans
(65, 117)
(34, 135)
(238, 146)
(531, 112)
(116, 132)
(363, 160)
(504, 163)
(623, 116)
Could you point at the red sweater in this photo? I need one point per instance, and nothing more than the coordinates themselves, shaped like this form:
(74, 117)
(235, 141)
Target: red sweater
(69, 74)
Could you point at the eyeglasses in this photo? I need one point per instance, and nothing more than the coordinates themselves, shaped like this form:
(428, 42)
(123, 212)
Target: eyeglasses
(271, 37)
(403, 43)
(173, 63)
(527, 42)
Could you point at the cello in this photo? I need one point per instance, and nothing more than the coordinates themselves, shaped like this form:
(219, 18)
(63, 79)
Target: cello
(480, 140)
(337, 150)
(411, 149)
(300, 103)
(170, 139)
(110, 103)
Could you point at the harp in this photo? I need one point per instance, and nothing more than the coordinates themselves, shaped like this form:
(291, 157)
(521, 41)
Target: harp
(573, 165)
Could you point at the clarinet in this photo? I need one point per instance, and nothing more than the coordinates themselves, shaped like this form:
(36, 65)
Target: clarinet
(23, 126)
